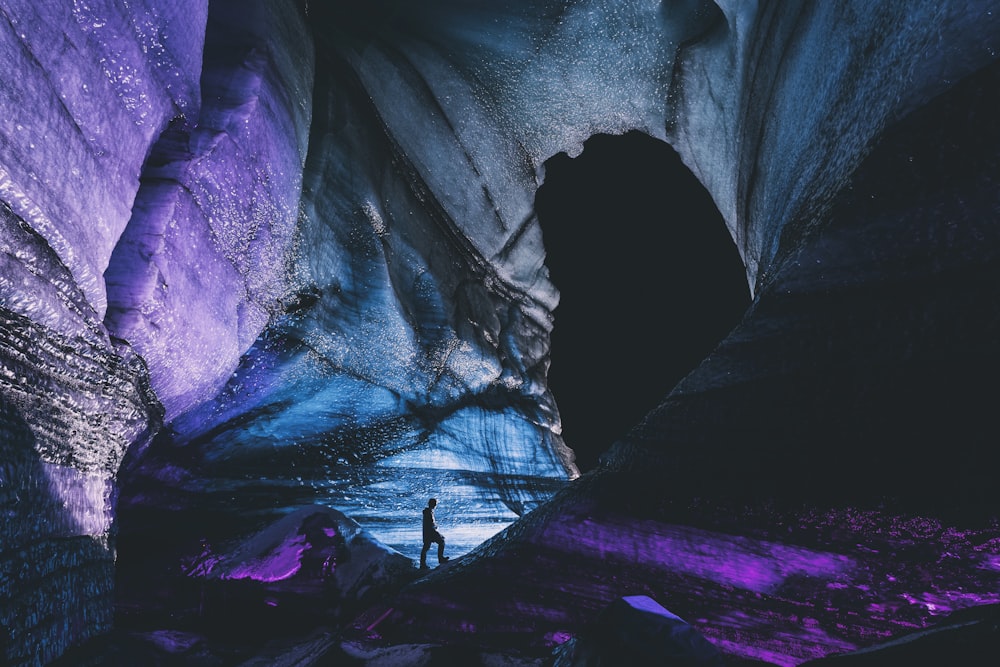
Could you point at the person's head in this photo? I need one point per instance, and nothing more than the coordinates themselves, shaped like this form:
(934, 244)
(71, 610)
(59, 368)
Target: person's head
(432, 502)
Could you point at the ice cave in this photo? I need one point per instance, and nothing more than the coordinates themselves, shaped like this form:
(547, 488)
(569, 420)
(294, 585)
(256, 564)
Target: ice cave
(686, 312)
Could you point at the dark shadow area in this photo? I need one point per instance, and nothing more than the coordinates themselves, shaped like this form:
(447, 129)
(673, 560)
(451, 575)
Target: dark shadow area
(650, 282)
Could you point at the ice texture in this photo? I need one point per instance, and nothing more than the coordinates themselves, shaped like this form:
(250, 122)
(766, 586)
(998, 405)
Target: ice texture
(200, 267)
(268, 254)
(94, 98)
(87, 87)
(96, 83)
(779, 102)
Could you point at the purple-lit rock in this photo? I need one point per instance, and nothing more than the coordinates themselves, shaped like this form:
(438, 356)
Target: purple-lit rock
(837, 580)
(314, 553)
(636, 630)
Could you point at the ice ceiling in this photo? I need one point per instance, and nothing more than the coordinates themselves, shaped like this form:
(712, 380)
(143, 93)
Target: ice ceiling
(260, 255)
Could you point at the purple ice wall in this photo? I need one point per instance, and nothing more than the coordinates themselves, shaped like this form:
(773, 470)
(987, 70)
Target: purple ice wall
(86, 90)
(201, 266)
(118, 185)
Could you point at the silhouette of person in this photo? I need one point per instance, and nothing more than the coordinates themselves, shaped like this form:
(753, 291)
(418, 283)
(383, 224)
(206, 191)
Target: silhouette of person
(431, 535)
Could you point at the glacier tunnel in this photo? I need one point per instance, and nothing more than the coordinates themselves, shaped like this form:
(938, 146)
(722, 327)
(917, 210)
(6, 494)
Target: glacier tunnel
(687, 313)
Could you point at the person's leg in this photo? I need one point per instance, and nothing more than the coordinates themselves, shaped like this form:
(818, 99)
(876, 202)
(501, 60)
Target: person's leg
(441, 556)
(423, 553)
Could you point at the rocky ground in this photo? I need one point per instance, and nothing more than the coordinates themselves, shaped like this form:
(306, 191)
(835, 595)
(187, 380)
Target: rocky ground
(764, 584)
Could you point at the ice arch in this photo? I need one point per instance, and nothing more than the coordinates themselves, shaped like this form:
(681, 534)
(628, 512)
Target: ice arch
(414, 337)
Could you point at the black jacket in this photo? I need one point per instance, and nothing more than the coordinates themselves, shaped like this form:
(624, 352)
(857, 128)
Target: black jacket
(430, 525)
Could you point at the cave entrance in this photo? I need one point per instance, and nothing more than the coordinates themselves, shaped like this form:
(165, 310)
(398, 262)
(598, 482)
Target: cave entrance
(649, 277)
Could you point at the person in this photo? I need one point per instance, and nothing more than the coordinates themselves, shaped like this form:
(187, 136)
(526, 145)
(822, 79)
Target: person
(431, 535)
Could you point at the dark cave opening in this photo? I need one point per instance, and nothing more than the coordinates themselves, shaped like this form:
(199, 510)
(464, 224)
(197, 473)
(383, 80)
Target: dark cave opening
(649, 279)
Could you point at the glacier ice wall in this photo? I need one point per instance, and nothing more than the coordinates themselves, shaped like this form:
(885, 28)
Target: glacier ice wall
(87, 88)
(853, 149)
(95, 85)
(144, 236)
(411, 359)
(778, 102)
(301, 236)
(200, 267)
